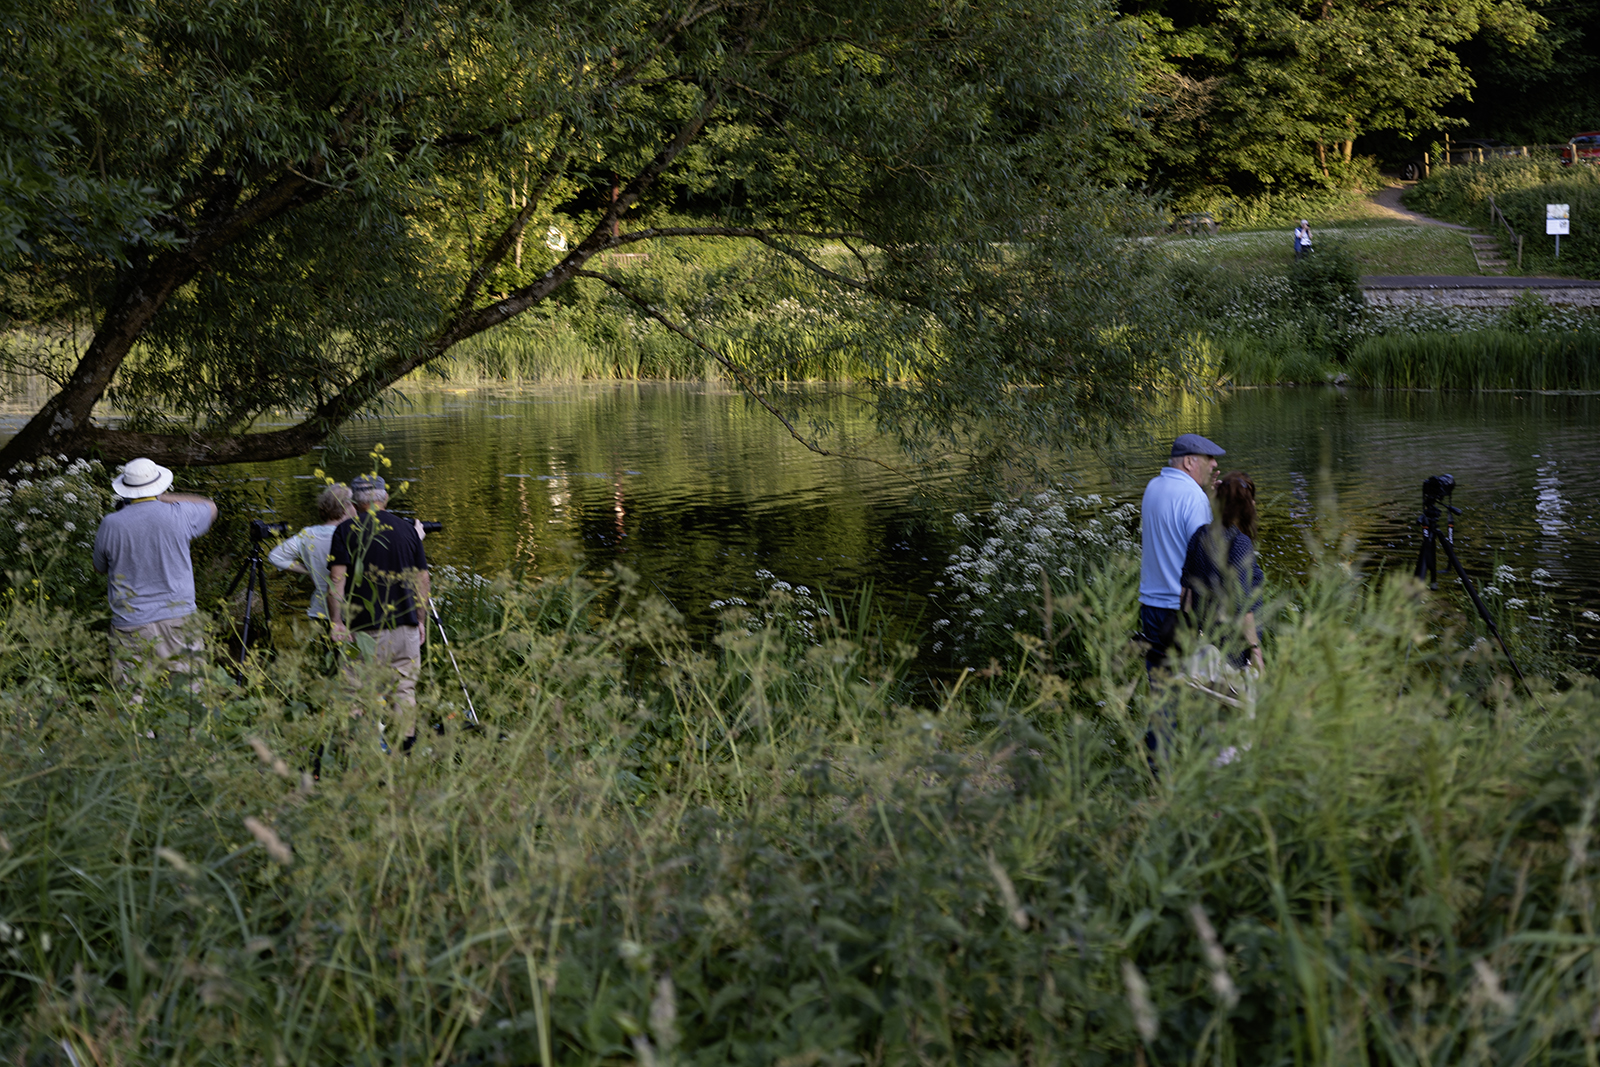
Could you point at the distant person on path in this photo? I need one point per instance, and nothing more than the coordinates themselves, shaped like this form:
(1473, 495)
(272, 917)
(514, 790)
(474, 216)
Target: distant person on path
(1302, 240)
(1175, 506)
(1222, 578)
(143, 549)
(307, 551)
(377, 593)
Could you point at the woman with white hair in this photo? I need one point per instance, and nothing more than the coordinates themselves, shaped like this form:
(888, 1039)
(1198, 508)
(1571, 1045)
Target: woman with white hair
(307, 551)
(1302, 240)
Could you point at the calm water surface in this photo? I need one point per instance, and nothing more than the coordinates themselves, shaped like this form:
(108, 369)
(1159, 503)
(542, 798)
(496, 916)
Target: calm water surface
(698, 491)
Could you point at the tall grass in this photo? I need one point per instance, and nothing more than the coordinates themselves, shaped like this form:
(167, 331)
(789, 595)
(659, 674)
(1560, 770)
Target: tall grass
(771, 852)
(555, 351)
(1486, 359)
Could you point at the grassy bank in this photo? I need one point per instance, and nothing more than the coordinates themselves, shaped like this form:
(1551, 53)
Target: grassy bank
(1522, 188)
(1375, 247)
(774, 851)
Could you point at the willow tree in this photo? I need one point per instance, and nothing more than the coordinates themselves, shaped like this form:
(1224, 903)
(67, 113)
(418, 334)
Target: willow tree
(213, 213)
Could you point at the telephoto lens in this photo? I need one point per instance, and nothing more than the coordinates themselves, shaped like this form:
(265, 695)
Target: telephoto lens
(432, 527)
(260, 531)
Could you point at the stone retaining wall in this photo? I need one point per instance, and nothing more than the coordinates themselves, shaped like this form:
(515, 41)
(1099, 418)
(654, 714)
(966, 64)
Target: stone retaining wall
(1487, 296)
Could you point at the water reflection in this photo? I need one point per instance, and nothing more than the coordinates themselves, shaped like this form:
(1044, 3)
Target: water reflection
(697, 490)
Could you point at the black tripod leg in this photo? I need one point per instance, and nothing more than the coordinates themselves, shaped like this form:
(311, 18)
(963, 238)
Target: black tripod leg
(1427, 558)
(1450, 551)
(249, 595)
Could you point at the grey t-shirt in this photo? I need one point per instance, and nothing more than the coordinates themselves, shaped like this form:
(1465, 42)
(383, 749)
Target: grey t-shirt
(144, 552)
(310, 548)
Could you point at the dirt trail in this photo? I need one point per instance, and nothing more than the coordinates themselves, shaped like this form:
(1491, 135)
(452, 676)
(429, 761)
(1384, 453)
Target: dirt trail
(1387, 201)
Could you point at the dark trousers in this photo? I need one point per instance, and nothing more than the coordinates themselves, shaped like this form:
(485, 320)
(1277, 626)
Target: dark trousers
(1158, 627)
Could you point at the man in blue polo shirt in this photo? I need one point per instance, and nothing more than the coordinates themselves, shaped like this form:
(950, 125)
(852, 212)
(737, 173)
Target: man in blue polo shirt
(1175, 506)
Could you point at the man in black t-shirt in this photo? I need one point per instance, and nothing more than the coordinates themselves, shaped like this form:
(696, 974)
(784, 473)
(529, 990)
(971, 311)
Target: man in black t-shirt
(377, 596)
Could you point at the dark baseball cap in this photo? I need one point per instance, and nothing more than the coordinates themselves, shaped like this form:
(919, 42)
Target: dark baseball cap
(366, 483)
(1192, 444)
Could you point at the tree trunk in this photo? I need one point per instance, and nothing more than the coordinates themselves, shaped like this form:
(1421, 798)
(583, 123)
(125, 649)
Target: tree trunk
(1348, 148)
(63, 423)
(1322, 158)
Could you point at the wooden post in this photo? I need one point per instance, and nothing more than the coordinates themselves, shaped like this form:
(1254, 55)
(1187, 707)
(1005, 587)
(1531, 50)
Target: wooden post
(1426, 169)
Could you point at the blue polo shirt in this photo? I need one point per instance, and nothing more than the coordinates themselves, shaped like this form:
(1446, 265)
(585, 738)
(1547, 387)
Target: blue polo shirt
(1174, 508)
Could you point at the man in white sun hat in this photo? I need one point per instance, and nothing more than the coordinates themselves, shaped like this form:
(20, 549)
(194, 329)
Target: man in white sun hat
(143, 549)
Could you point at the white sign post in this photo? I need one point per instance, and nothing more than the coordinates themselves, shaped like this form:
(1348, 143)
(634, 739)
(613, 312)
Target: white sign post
(1557, 221)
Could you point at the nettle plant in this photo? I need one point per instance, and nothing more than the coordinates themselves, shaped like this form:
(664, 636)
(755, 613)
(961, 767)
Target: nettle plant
(49, 510)
(994, 586)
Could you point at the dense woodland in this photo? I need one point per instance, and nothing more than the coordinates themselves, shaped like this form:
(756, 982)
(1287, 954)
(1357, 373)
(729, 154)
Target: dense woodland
(1254, 96)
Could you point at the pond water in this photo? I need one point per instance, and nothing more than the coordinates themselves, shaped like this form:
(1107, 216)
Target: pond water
(700, 492)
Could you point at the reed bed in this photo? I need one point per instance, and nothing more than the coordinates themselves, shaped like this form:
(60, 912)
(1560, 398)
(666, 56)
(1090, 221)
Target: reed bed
(775, 851)
(1486, 359)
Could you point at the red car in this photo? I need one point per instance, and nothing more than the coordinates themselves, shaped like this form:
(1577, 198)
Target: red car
(1582, 148)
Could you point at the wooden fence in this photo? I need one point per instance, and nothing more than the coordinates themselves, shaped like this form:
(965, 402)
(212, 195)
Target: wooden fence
(1458, 155)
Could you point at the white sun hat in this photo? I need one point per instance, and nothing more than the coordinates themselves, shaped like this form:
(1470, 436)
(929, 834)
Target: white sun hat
(142, 477)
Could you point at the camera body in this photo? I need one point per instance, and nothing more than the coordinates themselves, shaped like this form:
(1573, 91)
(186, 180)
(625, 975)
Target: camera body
(260, 531)
(1436, 489)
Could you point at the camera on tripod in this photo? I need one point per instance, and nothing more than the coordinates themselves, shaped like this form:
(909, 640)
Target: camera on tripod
(1436, 489)
(260, 531)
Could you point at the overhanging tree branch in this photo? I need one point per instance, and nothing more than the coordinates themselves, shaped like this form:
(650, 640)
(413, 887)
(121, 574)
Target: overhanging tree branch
(743, 377)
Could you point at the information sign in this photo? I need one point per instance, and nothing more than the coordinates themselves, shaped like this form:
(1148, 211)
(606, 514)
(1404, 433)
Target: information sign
(1558, 221)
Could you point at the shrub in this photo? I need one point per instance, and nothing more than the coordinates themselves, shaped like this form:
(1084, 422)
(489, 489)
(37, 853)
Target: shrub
(1015, 555)
(1461, 193)
(49, 511)
(1580, 250)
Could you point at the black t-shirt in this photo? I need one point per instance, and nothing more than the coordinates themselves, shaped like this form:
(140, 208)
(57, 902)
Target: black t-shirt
(382, 555)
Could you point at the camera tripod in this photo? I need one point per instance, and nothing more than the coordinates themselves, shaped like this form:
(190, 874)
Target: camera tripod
(253, 571)
(1435, 491)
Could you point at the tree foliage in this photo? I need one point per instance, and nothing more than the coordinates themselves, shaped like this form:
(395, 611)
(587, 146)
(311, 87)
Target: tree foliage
(248, 209)
(1255, 94)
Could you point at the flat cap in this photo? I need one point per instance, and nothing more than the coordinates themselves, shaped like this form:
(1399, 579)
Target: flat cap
(1192, 444)
(366, 483)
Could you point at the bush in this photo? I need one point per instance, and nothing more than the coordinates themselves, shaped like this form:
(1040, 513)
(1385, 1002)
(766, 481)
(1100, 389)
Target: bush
(1328, 281)
(1580, 250)
(1016, 555)
(1461, 193)
(49, 511)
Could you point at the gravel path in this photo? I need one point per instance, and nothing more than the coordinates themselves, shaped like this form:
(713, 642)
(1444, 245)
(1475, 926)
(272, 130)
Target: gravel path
(1388, 200)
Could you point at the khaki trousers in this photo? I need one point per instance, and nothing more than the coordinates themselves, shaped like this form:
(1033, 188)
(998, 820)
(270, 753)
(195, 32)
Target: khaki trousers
(387, 665)
(174, 645)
